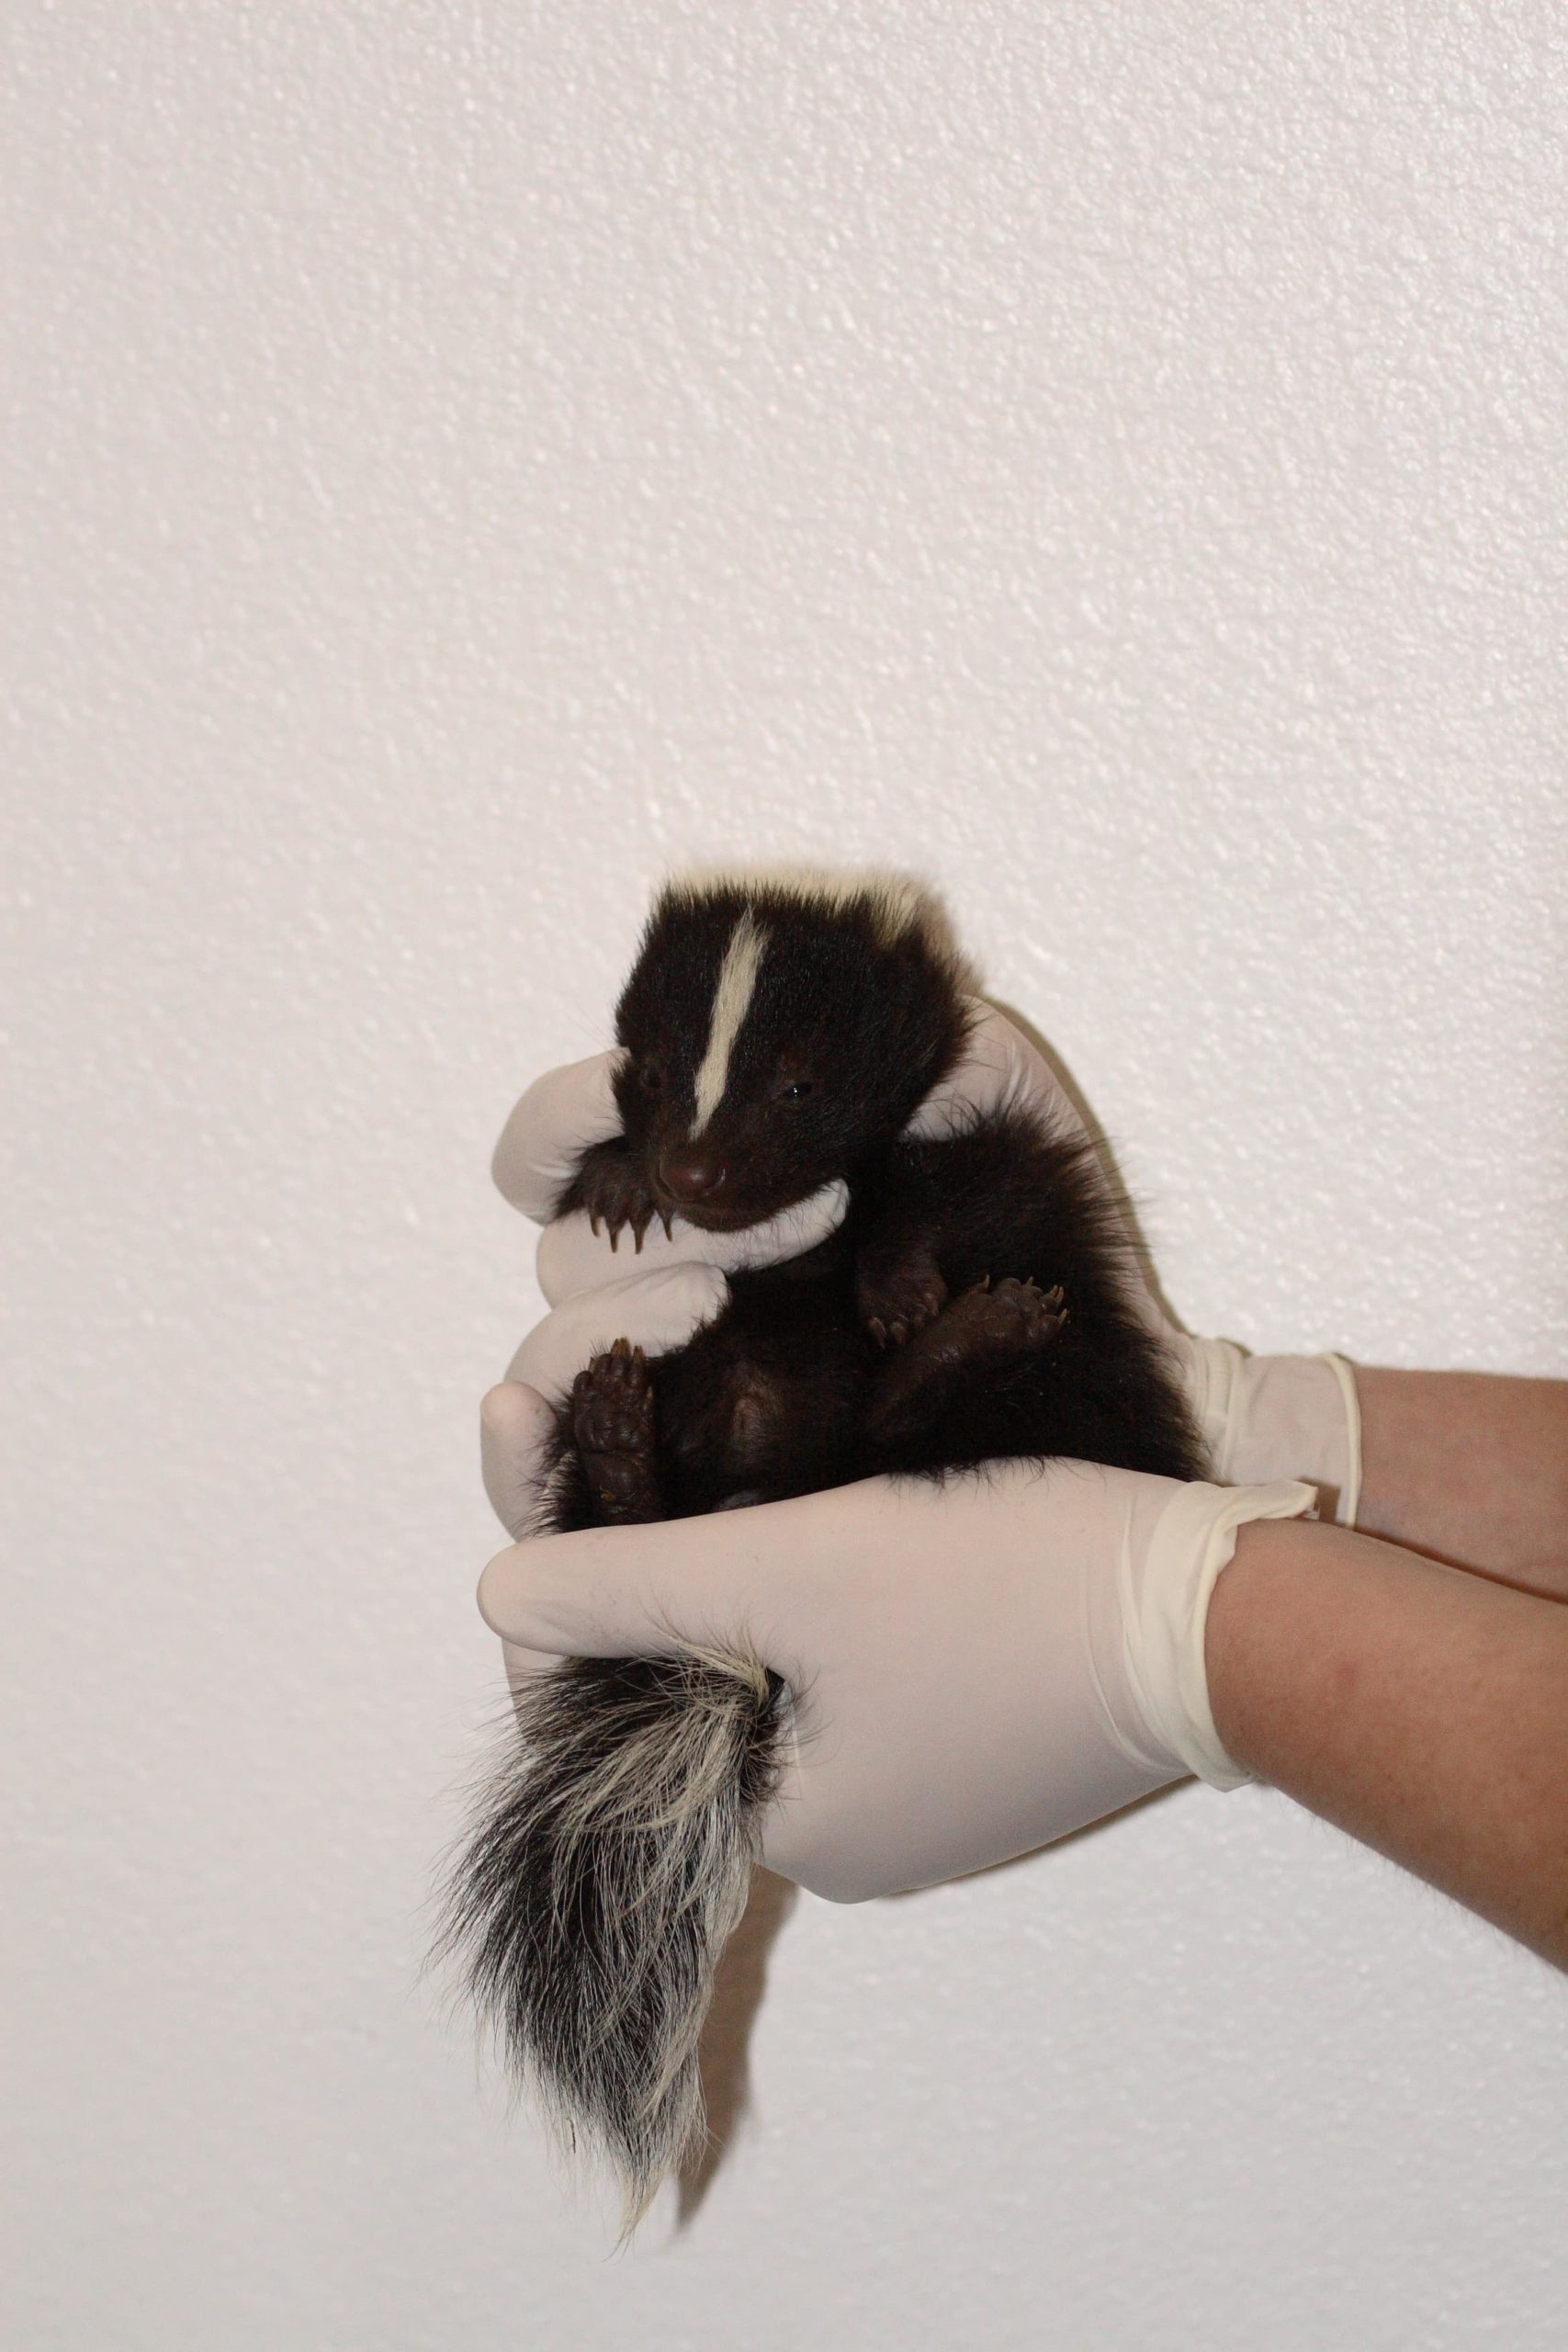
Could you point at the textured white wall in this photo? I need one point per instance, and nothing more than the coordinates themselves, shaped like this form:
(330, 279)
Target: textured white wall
(1108, 458)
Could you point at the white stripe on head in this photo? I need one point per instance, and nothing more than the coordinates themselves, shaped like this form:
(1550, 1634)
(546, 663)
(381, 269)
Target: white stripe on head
(732, 998)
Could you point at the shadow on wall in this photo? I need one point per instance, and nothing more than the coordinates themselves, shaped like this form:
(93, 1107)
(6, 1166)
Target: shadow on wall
(724, 2055)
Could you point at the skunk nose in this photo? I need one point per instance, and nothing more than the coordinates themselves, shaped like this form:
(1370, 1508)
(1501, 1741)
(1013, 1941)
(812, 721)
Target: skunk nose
(692, 1175)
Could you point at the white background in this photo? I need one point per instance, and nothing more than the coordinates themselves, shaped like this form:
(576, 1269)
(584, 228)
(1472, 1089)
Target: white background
(1106, 458)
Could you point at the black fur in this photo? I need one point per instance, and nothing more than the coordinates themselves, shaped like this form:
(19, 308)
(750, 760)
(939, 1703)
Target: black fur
(971, 1308)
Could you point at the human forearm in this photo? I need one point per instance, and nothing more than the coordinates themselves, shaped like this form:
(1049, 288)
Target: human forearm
(1424, 1711)
(1471, 1468)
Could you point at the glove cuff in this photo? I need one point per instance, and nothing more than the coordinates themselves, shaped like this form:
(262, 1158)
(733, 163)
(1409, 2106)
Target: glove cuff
(1164, 1613)
(1278, 1416)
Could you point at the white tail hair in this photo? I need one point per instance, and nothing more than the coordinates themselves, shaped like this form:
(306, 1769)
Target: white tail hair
(608, 1862)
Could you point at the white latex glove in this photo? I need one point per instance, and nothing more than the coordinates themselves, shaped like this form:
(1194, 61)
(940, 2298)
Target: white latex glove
(1262, 1417)
(977, 1668)
(561, 1114)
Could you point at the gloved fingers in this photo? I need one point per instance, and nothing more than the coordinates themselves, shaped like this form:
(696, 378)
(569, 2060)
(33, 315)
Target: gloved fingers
(776, 1575)
(572, 1258)
(605, 1591)
(516, 1426)
(999, 1071)
(524, 1667)
(774, 1580)
(704, 1583)
(559, 1116)
(657, 1311)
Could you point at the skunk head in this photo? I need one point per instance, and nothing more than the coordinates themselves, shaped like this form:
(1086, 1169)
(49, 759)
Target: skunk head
(776, 1029)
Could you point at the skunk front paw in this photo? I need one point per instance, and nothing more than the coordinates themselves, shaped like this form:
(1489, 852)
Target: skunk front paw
(612, 1187)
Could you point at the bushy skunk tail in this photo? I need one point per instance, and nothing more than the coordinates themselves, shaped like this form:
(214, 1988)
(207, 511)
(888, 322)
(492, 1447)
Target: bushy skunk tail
(608, 1862)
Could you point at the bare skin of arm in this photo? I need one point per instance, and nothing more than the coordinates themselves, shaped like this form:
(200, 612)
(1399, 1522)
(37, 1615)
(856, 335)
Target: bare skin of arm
(1469, 1468)
(1423, 1711)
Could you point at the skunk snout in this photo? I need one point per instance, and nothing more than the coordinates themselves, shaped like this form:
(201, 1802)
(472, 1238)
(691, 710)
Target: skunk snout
(692, 1176)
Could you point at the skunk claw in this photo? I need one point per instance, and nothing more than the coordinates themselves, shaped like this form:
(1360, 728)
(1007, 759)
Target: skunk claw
(622, 1347)
(636, 1220)
(667, 1218)
(593, 1221)
(878, 1330)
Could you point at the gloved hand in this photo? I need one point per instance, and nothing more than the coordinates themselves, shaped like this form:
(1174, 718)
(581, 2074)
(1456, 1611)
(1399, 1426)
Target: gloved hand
(977, 1668)
(1262, 1417)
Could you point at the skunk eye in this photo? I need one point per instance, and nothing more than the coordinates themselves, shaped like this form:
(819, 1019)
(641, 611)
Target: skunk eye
(796, 1091)
(650, 1078)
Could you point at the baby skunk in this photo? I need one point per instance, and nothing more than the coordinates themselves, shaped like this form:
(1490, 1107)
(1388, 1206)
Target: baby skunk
(778, 1033)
